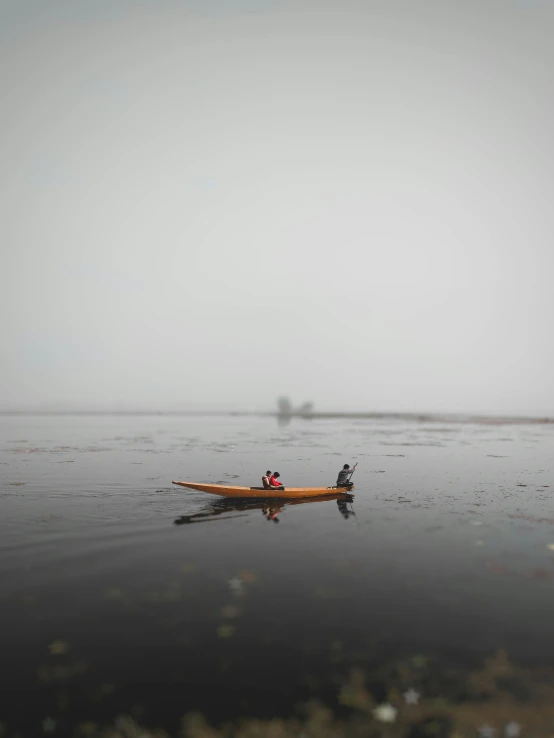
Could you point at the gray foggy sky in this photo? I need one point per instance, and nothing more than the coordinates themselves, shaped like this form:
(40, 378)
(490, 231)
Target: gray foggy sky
(208, 204)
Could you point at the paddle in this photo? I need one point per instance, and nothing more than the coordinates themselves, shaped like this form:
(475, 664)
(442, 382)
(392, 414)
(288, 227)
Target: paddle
(351, 505)
(352, 472)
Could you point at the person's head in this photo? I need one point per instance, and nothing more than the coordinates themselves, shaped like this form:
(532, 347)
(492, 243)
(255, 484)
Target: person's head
(268, 473)
(276, 474)
(346, 466)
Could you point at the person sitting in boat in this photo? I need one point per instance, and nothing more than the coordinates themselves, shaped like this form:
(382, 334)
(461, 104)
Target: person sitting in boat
(274, 481)
(343, 479)
(265, 479)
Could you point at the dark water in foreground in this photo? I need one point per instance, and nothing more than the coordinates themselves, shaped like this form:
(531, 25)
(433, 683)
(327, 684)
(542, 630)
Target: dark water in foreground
(123, 595)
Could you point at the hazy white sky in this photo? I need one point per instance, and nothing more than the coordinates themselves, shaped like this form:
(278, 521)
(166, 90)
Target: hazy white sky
(207, 204)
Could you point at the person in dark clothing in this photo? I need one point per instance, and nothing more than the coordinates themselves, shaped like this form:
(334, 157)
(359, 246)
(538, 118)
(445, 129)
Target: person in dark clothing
(343, 479)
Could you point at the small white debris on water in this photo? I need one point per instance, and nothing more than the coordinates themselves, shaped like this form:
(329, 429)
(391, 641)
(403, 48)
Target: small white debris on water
(49, 725)
(235, 584)
(512, 730)
(486, 731)
(411, 696)
(385, 713)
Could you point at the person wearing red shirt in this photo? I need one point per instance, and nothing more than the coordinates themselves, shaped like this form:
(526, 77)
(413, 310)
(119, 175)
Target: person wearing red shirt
(274, 480)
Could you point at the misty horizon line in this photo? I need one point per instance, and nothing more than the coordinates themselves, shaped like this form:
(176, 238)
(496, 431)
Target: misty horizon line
(295, 413)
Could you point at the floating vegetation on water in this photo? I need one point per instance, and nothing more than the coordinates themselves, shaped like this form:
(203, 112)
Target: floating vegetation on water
(327, 593)
(48, 725)
(172, 593)
(247, 576)
(225, 631)
(414, 697)
(57, 648)
(61, 674)
(490, 708)
(532, 519)
(230, 611)
(114, 593)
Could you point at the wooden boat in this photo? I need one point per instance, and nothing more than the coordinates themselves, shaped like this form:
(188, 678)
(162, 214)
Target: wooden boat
(287, 493)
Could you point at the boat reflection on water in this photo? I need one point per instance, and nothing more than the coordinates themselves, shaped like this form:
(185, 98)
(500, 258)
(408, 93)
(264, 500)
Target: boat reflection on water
(342, 504)
(270, 508)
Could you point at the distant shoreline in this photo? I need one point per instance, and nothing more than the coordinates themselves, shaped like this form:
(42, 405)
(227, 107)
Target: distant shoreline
(413, 417)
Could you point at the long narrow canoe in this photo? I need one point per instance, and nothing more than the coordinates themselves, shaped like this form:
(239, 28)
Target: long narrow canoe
(225, 490)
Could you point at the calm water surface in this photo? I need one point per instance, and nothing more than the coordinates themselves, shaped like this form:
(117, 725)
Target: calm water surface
(122, 594)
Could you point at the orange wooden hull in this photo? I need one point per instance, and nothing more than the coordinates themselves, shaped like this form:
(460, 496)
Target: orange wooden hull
(289, 493)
